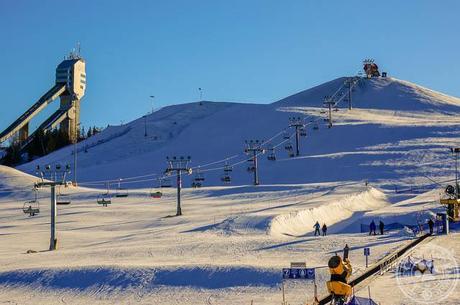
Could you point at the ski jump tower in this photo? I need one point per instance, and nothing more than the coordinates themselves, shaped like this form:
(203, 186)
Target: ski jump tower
(70, 88)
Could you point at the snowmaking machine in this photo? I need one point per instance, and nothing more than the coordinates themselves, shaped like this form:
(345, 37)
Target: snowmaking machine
(340, 270)
(452, 203)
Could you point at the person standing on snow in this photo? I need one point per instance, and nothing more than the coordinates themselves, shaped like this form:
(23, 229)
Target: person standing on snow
(372, 228)
(317, 226)
(381, 227)
(431, 225)
(324, 229)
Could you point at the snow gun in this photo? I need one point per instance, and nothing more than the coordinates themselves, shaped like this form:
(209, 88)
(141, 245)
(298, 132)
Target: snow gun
(340, 270)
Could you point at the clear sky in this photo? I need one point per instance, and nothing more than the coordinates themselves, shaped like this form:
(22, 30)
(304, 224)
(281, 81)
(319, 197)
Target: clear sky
(236, 50)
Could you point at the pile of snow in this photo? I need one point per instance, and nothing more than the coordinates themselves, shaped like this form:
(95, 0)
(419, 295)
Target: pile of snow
(301, 222)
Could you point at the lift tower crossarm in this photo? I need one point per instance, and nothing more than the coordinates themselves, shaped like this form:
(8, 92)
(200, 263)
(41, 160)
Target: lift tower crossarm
(44, 101)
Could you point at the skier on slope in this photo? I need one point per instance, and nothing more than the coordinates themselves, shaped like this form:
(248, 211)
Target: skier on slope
(372, 228)
(381, 227)
(431, 225)
(324, 229)
(317, 226)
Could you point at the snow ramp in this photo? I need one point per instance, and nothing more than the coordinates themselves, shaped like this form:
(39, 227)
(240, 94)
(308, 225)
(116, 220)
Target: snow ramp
(344, 210)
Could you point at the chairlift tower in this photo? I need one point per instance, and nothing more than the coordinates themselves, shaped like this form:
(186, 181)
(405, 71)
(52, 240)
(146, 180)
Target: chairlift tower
(178, 165)
(349, 82)
(329, 103)
(254, 148)
(53, 181)
(298, 124)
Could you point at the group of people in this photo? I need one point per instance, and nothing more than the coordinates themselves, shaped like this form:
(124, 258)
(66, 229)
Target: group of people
(373, 228)
(317, 226)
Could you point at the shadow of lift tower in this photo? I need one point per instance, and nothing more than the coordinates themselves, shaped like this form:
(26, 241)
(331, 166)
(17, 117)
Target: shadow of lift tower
(70, 88)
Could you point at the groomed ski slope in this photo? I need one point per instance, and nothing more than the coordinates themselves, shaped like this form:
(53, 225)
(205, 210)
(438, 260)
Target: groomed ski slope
(225, 247)
(397, 132)
(232, 241)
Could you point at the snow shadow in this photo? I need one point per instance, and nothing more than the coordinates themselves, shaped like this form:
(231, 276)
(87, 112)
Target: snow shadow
(238, 224)
(110, 279)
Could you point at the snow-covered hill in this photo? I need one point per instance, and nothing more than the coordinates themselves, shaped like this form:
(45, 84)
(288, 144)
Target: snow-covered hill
(232, 241)
(396, 132)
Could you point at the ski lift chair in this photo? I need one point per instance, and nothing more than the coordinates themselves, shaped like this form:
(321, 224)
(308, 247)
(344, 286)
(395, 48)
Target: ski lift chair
(156, 194)
(303, 132)
(271, 154)
(288, 146)
(196, 184)
(286, 136)
(62, 199)
(104, 200)
(31, 207)
(166, 182)
(199, 178)
(226, 179)
(121, 193)
(316, 127)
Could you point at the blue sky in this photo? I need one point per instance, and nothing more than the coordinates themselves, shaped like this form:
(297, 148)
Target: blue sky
(239, 50)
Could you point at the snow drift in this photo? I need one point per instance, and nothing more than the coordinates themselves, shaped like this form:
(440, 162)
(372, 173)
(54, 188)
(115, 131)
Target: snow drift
(301, 222)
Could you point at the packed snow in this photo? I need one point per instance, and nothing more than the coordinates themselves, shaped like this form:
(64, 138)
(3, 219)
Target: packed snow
(386, 159)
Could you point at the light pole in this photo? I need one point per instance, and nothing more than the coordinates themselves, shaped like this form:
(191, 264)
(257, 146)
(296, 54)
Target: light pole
(75, 140)
(145, 126)
(152, 97)
(201, 94)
